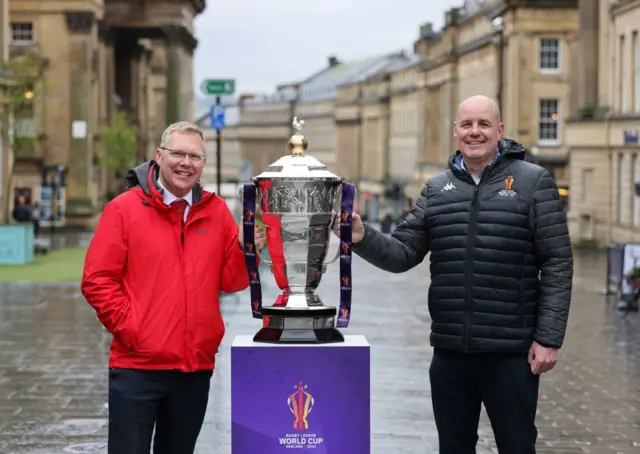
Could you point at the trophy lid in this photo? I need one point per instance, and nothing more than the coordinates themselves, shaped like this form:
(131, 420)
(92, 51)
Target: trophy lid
(297, 165)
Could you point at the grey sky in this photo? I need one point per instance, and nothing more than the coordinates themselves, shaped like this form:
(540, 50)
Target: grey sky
(262, 43)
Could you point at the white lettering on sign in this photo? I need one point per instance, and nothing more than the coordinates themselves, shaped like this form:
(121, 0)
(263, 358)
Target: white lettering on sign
(296, 441)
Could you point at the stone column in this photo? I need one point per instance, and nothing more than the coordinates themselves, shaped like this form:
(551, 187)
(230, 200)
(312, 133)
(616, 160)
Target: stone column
(6, 155)
(140, 91)
(588, 68)
(180, 47)
(5, 33)
(106, 105)
(80, 172)
(173, 76)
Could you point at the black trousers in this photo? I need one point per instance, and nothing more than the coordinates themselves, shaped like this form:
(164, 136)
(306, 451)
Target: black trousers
(461, 383)
(174, 402)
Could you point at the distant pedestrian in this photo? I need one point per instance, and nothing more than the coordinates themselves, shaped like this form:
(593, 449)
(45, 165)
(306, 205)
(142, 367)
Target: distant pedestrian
(22, 209)
(160, 255)
(501, 280)
(386, 224)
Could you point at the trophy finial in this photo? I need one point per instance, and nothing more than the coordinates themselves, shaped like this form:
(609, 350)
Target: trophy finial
(298, 143)
(298, 125)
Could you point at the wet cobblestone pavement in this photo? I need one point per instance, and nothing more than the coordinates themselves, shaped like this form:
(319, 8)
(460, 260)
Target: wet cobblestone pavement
(53, 369)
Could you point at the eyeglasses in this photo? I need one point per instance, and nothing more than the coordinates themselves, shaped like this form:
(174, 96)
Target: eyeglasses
(182, 155)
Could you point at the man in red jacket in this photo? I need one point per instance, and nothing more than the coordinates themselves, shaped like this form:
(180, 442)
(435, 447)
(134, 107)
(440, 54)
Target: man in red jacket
(160, 255)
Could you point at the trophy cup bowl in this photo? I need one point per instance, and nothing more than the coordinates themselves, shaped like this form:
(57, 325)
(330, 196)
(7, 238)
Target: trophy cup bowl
(298, 199)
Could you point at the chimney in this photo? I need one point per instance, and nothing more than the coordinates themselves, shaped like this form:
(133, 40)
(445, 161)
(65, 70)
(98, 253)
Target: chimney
(244, 96)
(288, 86)
(426, 30)
(333, 61)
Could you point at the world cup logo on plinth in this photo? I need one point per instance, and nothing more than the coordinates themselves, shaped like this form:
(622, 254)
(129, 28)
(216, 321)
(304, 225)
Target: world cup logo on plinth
(303, 435)
(296, 200)
(301, 403)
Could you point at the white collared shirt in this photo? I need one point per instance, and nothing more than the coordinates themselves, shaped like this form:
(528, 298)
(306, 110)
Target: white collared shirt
(169, 198)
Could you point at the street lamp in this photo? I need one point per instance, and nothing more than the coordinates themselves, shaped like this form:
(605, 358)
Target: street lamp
(28, 95)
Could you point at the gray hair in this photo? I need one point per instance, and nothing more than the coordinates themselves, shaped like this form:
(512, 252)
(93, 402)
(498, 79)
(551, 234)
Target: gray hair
(181, 126)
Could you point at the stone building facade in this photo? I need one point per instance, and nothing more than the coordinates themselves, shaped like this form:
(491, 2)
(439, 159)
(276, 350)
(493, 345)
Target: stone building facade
(393, 115)
(99, 58)
(264, 126)
(333, 120)
(516, 52)
(408, 127)
(603, 135)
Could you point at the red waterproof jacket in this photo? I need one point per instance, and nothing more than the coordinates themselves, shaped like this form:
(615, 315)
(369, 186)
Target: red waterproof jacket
(155, 284)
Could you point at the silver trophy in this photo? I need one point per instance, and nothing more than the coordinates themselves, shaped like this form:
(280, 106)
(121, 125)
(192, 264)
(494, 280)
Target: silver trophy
(297, 199)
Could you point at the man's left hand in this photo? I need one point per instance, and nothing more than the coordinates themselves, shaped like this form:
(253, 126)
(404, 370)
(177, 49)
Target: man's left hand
(542, 359)
(258, 236)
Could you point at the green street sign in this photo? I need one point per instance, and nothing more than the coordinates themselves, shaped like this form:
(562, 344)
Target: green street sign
(218, 86)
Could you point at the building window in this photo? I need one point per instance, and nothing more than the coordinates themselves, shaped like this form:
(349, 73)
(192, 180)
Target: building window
(549, 55)
(636, 72)
(548, 116)
(21, 32)
(622, 67)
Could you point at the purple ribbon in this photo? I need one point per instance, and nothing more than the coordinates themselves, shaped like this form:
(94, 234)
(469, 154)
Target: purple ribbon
(346, 213)
(250, 257)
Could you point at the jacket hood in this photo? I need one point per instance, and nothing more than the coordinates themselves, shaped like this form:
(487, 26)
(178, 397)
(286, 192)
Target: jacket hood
(509, 149)
(145, 176)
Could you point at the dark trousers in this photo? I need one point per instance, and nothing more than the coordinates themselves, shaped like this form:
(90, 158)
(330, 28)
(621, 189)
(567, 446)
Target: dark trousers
(461, 383)
(174, 402)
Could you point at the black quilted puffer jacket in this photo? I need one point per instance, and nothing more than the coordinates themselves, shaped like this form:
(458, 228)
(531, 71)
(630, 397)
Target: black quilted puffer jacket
(501, 258)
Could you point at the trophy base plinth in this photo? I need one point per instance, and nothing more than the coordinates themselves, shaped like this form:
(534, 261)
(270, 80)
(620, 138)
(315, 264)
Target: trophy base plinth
(299, 326)
(298, 336)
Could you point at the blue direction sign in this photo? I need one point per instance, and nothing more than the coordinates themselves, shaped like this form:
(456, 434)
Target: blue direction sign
(216, 115)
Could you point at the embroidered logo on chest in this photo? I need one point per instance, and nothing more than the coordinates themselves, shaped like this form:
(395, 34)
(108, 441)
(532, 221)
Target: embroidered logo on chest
(508, 191)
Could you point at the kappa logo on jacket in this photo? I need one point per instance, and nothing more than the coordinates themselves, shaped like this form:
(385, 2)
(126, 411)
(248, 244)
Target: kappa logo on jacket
(507, 191)
(448, 187)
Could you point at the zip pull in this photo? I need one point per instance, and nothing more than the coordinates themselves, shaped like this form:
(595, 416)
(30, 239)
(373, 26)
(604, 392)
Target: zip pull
(182, 237)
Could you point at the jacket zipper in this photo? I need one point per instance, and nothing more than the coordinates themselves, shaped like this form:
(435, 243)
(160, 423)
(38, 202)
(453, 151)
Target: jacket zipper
(471, 236)
(186, 303)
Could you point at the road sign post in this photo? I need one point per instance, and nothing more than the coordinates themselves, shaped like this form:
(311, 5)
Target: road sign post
(219, 150)
(217, 88)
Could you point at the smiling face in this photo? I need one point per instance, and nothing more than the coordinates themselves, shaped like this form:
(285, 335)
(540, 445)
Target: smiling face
(478, 129)
(181, 161)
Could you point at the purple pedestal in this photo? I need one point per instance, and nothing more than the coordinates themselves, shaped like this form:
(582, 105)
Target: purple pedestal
(286, 397)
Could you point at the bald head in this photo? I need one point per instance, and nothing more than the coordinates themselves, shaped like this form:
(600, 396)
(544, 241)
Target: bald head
(478, 129)
(480, 102)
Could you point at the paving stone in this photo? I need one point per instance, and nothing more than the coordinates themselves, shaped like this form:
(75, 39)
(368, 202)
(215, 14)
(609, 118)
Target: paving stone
(53, 375)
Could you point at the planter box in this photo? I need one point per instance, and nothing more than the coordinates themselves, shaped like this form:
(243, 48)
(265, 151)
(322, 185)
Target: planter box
(16, 244)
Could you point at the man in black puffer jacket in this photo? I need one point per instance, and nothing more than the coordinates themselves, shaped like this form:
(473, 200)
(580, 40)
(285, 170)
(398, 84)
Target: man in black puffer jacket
(501, 278)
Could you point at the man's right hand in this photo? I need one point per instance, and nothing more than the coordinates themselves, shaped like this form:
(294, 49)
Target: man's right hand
(357, 228)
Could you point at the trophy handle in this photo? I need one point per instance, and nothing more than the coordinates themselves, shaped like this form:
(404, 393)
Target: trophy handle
(333, 259)
(262, 259)
(338, 201)
(258, 197)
